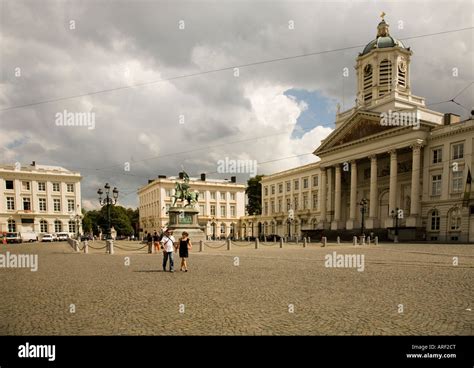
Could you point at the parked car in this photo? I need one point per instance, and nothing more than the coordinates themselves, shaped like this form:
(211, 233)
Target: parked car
(29, 236)
(62, 236)
(86, 237)
(14, 238)
(46, 238)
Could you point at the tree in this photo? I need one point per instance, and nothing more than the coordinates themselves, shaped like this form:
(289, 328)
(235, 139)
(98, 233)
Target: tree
(254, 195)
(124, 220)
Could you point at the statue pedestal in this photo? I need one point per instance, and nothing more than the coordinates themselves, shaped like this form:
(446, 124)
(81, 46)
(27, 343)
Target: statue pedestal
(185, 219)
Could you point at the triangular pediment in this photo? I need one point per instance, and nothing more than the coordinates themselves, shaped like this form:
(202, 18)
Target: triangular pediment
(360, 126)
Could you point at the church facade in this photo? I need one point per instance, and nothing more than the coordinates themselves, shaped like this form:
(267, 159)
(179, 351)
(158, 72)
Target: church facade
(391, 164)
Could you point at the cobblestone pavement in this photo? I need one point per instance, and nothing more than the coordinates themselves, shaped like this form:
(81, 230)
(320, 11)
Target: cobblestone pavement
(285, 291)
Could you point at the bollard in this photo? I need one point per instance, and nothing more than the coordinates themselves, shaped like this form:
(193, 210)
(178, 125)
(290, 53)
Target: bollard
(265, 238)
(86, 247)
(338, 240)
(309, 239)
(362, 240)
(228, 244)
(304, 242)
(281, 242)
(324, 241)
(296, 239)
(368, 240)
(256, 243)
(110, 246)
(376, 240)
(76, 249)
(274, 239)
(354, 240)
(201, 243)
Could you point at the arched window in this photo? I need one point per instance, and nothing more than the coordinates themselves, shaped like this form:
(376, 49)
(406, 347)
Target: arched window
(435, 220)
(43, 226)
(385, 77)
(367, 85)
(11, 226)
(58, 226)
(232, 229)
(72, 226)
(454, 218)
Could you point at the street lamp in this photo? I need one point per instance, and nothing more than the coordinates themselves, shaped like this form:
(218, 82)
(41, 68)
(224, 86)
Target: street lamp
(108, 201)
(76, 218)
(363, 211)
(395, 215)
(289, 221)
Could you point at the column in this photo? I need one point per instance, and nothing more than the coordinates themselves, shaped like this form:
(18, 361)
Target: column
(392, 196)
(372, 221)
(329, 205)
(353, 197)
(337, 198)
(413, 220)
(322, 195)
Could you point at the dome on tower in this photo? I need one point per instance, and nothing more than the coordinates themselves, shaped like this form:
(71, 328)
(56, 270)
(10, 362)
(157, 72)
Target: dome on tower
(383, 39)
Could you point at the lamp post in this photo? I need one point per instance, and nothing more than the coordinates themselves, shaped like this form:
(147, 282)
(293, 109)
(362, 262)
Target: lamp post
(395, 216)
(363, 211)
(289, 221)
(108, 201)
(76, 218)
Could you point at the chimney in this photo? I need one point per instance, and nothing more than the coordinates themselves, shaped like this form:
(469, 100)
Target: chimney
(203, 177)
(450, 118)
(181, 175)
(33, 163)
(233, 179)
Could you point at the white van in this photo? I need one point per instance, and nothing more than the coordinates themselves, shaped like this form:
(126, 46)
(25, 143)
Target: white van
(46, 238)
(62, 236)
(29, 236)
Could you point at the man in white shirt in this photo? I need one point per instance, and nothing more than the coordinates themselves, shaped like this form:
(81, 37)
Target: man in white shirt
(167, 243)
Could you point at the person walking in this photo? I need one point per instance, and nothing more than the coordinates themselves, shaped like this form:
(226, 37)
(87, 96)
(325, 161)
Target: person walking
(184, 246)
(156, 241)
(168, 246)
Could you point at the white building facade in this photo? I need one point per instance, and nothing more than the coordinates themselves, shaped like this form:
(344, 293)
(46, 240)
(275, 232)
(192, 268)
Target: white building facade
(407, 163)
(39, 198)
(221, 203)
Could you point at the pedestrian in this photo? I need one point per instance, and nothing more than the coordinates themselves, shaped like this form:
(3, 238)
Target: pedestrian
(156, 241)
(184, 247)
(168, 247)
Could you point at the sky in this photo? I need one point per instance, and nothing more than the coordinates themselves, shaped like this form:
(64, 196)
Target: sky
(159, 79)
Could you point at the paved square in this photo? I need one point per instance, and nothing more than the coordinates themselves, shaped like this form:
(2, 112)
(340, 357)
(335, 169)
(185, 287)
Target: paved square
(270, 291)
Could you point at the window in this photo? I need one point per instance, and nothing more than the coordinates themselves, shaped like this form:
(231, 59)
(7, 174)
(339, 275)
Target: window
(43, 226)
(457, 181)
(232, 196)
(296, 203)
(315, 201)
(436, 185)
(272, 206)
(25, 185)
(213, 195)
(223, 214)
(10, 203)
(8, 184)
(55, 187)
(222, 196)
(454, 218)
(297, 184)
(213, 210)
(232, 211)
(42, 204)
(288, 186)
(168, 193)
(280, 208)
(288, 204)
(201, 209)
(266, 191)
(26, 204)
(273, 189)
(70, 205)
(70, 189)
(315, 180)
(11, 226)
(305, 183)
(265, 208)
(435, 220)
(72, 226)
(223, 228)
(58, 226)
(437, 155)
(56, 205)
(202, 196)
(167, 207)
(305, 201)
(41, 186)
(280, 188)
(458, 151)
(385, 77)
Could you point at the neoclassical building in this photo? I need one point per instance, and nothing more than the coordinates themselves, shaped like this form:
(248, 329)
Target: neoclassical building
(407, 163)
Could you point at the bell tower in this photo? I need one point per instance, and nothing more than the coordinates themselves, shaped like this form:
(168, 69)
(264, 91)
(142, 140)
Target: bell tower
(383, 69)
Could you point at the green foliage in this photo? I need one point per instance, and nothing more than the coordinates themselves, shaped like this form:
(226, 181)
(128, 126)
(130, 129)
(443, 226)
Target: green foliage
(254, 194)
(124, 220)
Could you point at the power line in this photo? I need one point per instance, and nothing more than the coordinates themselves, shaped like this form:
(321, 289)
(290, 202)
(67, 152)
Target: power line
(217, 70)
